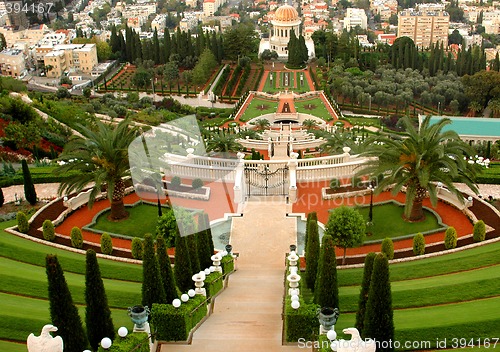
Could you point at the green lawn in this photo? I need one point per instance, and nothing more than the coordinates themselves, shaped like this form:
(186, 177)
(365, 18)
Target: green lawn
(258, 107)
(388, 222)
(314, 107)
(271, 87)
(6, 346)
(142, 219)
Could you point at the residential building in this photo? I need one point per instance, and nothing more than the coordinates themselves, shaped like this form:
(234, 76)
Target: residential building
(355, 17)
(12, 62)
(70, 57)
(187, 24)
(209, 8)
(424, 26)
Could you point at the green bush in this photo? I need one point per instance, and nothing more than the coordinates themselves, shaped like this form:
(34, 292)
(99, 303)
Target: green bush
(76, 237)
(197, 183)
(227, 264)
(312, 251)
(419, 244)
(106, 244)
(213, 283)
(174, 324)
(175, 181)
(2, 199)
(22, 222)
(49, 233)
(479, 233)
(301, 322)
(29, 187)
(334, 183)
(129, 343)
(450, 238)
(137, 249)
(388, 248)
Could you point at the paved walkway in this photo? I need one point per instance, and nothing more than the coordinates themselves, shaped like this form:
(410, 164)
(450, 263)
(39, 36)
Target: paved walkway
(247, 315)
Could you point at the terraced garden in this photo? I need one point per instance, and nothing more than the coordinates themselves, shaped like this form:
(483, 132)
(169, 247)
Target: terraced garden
(259, 107)
(453, 296)
(314, 107)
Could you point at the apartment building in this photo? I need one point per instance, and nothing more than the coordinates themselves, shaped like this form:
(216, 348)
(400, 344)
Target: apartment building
(12, 62)
(355, 17)
(70, 57)
(424, 26)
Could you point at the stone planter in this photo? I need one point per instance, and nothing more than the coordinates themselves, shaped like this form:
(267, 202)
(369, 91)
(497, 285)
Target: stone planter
(138, 315)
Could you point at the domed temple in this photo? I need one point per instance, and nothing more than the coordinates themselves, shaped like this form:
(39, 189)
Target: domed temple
(285, 20)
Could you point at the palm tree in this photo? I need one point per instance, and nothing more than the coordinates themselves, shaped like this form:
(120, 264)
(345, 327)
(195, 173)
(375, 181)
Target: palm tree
(101, 158)
(224, 143)
(494, 105)
(338, 140)
(420, 160)
(309, 124)
(475, 107)
(252, 134)
(261, 124)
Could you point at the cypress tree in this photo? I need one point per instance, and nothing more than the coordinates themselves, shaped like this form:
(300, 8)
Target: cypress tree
(152, 285)
(156, 47)
(379, 324)
(193, 253)
(326, 293)
(363, 295)
(312, 254)
(63, 312)
(203, 244)
(182, 268)
(97, 313)
(312, 215)
(29, 187)
(209, 237)
(167, 275)
(2, 199)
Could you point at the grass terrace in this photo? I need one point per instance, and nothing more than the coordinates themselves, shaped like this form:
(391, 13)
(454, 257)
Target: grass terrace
(270, 86)
(314, 107)
(258, 107)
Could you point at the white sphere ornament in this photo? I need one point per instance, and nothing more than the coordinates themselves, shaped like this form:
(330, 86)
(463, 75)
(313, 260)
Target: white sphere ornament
(331, 334)
(122, 332)
(294, 298)
(184, 297)
(207, 271)
(87, 351)
(191, 293)
(295, 304)
(334, 346)
(176, 303)
(106, 343)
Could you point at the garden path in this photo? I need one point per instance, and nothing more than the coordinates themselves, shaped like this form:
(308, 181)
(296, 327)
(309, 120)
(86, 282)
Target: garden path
(247, 315)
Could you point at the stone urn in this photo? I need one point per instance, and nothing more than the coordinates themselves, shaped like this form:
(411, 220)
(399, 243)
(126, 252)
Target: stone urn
(327, 317)
(199, 282)
(292, 259)
(216, 258)
(138, 315)
(293, 279)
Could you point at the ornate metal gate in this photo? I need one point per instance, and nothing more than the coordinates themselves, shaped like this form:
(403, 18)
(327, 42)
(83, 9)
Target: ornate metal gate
(266, 180)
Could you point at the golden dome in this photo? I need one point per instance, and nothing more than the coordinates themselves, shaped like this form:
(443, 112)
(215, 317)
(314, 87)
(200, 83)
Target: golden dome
(286, 13)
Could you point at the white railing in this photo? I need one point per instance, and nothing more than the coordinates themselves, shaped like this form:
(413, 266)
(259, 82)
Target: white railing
(325, 160)
(328, 171)
(447, 196)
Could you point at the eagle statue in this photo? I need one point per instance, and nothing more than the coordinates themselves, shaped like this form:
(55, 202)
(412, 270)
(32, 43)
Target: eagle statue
(45, 342)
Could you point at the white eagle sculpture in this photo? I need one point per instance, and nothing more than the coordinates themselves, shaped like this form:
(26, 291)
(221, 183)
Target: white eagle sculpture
(356, 343)
(45, 342)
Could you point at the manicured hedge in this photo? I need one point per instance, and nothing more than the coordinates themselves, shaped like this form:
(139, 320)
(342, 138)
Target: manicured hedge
(38, 175)
(174, 324)
(301, 322)
(227, 264)
(129, 343)
(213, 284)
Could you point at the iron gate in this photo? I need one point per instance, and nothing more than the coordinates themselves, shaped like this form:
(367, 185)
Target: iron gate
(264, 180)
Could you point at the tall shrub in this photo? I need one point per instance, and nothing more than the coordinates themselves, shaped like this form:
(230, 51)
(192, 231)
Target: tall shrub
(311, 216)
(479, 233)
(363, 295)
(63, 313)
(106, 244)
(2, 199)
(49, 233)
(22, 222)
(326, 293)
(137, 248)
(97, 313)
(167, 275)
(450, 238)
(76, 237)
(191, 241)
(312, 253)
(419, 244)
(208, 234)
(29, 187)
(152, 285)
(203, 245)
(388, 248)
(182, 267)
(379, 323)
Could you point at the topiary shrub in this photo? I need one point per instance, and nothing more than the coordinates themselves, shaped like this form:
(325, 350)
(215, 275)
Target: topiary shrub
(479, 233)
(175, 181)
(388, 248)
(129, 343)
(450, 238)
(106, 244)
(22, 222)
(137, 249)
(76, 237)
(49, 233)
(334, 183)
(419, 244)
(29, 187)
(197, 183)
(2, 199)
